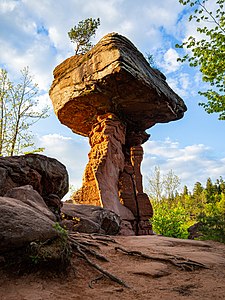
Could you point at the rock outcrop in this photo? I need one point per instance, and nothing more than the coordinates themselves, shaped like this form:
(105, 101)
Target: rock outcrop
(46, 175)
(31, 188)
(113, 77)
(106, 162)
(24, 219)
(90, 219)
(112, 95)
(29, 196)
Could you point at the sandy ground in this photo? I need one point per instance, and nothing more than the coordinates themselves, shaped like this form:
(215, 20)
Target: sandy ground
(147, 278)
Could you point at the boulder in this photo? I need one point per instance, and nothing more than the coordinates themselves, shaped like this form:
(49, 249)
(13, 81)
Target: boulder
(90, 219)
(22, 222)
(195, 231)
(126, 229)
(28, 195)
(46, 175)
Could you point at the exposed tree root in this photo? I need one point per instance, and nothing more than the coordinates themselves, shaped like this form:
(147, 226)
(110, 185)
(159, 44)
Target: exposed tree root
(180, 262)
(82, 246)
(92, 238)
(75, 244)
(103, 271)
(95, 281)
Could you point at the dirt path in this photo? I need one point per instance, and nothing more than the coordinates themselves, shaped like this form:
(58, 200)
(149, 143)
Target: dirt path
(147, 278)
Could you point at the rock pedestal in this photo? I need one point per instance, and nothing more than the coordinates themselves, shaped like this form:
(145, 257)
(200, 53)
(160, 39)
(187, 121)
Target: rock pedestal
(112, 178)
(112, 95)
(106, 162)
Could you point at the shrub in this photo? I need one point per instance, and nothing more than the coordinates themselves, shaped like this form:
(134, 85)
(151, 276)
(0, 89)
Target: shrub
(170, 220)
(213, 221)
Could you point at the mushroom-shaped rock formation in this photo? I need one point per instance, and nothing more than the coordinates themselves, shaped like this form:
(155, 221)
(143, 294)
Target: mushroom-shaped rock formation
(112, 95)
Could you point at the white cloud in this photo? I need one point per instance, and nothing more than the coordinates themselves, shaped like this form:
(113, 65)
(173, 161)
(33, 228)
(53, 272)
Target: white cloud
(163, 13)
(184, 84)
(191, 163)
(7, 5)
(72, 152)
(174, 83)
(170, 63)
(34, 33)
(23, 43)
(184, 81)
(43, 101)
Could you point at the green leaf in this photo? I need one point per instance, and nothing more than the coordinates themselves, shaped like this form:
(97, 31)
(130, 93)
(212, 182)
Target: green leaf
(208, 52)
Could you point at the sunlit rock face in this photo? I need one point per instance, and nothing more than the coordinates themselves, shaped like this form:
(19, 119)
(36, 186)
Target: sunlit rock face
(112, 95)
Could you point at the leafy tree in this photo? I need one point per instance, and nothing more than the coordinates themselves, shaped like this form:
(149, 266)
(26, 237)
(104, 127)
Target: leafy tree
(210, 191)
(198, 189)
(171, 221)
(171, 183)
(155, 185)
(18, 110)
(205, 206)
(220, 185)
(82, 33)
(185, 191)
(162, 186)
(208, 51)
(213, 221)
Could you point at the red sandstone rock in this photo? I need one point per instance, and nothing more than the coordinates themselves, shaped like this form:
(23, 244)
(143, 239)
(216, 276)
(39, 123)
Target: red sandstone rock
(113, 77)
(46, 175)
(29, 196)
(112, 95)
(106, 162)
(24, 220)
(90, 219)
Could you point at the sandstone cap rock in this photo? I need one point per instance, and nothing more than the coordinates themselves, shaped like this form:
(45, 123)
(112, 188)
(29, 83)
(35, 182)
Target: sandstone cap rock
(113, 77)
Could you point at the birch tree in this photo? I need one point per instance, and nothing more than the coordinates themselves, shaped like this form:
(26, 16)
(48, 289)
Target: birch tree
(19, 111)
(208, 51)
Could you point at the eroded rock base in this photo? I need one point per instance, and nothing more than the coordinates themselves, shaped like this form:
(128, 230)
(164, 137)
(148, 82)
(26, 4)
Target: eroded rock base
(112, 178)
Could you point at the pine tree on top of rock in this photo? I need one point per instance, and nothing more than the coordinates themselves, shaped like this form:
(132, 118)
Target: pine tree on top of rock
(81, 34)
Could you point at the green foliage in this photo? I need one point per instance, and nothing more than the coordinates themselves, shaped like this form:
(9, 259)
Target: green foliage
(82, 33)
(213, 221)
(162, 186)
(174, 215)
(170, 220)
(18, 110)
(52, 253)
(62, 231)
(208, 52)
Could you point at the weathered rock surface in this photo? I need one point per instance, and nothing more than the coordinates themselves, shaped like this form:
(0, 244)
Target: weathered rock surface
(46, 175)
(113, 77)
(106, 162)
(24, 221)
(29, 196)
(90, 219)
(148, 278)
(195, 231)
(112, 95)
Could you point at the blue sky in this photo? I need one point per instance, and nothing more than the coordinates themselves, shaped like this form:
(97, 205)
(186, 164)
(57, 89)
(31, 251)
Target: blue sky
(34, 33)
